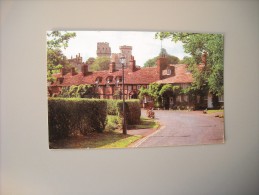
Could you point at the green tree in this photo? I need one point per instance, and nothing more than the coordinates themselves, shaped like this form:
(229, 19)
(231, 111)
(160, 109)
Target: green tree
(90, 60)
(209, 78)
(171, 59)
(153, 92)
(100, 63)
(78, 91)
(55, 58)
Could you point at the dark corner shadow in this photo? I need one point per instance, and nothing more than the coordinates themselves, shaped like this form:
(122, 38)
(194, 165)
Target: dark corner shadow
(95, 140)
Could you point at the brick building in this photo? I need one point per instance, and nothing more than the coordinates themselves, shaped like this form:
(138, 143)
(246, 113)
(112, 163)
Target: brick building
(76, 62)
(108, 83)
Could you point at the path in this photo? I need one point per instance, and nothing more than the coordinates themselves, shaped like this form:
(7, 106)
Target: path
(185, 128)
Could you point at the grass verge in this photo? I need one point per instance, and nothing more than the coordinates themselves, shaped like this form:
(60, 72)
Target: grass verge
(145, 123)
(96, 140)
(112, 137)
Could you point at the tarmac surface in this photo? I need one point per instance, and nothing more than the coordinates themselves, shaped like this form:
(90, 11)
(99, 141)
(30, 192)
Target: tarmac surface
(182, 128)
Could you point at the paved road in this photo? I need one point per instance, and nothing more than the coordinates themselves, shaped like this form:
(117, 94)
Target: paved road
(185, 128)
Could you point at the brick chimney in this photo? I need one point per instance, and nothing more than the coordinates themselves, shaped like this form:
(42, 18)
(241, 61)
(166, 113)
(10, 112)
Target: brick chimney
(132, 64)
(204, 58)
(73, 71)
(84, 69)
(161, 65)
(112, 67)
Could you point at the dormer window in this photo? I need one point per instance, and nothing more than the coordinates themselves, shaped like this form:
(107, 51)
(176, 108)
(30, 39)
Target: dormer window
(169, 71)
(108, 81)
(118, 80)
(97, 81)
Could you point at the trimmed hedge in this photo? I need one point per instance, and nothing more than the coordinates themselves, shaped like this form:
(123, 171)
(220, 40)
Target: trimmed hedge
(112, 107)
(133, 111)
(68, 115)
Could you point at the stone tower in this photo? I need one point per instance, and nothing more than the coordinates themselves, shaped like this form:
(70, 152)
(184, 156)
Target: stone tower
(103, 49)
(127, 52)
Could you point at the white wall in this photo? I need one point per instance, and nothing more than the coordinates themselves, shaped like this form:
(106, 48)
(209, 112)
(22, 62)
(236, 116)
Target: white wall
(28, 167)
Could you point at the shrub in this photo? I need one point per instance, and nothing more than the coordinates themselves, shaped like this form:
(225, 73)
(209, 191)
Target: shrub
(66, 116)
(112, 107)
(132, 109)
(113, 122)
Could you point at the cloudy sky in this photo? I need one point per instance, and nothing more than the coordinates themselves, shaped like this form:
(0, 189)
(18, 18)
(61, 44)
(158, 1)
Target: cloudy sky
(144, 45)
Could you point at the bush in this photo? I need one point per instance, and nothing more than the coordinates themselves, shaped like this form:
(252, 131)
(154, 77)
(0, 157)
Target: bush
(66, 116)
(113, 122)
(132, 109)
(112, 107)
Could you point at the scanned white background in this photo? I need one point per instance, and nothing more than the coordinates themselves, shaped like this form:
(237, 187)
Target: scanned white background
(28, 167)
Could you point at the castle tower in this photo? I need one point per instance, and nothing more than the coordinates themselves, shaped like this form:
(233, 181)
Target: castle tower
(127, 52)
(103, 49)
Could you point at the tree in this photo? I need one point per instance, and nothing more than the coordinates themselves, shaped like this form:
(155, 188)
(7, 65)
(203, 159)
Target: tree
(210, 78)
(55, 58)
(153, 92)
(171, 59)
(78, 91)
(100, 63)
(90, 61)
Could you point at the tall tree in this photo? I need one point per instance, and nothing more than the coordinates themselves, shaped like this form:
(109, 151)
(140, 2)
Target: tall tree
(211, 76)
(56, 40)
(171, 59)
(100, 63)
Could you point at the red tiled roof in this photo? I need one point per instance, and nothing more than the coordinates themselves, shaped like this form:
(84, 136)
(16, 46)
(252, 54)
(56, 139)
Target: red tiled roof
(142, 76)
(181, 75)
(139, 76)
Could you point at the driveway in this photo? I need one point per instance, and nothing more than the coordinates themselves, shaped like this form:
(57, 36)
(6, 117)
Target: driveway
(185, 128)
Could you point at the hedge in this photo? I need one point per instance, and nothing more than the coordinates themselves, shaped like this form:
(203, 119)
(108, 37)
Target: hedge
(112, 107)
(132, 109)
(68, 115)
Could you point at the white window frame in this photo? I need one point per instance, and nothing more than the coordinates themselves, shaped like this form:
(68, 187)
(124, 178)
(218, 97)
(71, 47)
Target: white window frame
(221, 98)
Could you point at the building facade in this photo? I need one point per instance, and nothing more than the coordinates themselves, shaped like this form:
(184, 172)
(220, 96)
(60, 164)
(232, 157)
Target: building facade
(108, 83)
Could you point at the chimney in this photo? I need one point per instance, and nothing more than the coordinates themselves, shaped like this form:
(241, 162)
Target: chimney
(204, 58)
(73, 71)
(132, 64)
(62, 71)
(112, 67)
(84, 69)
(161, 65)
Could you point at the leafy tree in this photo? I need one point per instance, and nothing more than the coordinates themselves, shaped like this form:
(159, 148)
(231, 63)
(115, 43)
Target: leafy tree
(55, 58)
(78, 91)
(168, 90)
(210, 78)
(171, 59)
(152, 91)
(58, 39)
(100, 63)
(90, 60)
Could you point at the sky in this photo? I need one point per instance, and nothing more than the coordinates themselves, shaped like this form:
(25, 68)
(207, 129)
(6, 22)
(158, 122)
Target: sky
(144, 45)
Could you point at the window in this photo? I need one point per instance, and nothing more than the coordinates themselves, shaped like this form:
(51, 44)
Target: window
(169, 71)
(108, 83)
(185, 98)
(139, 86)
(129, 87)
(184, 86)
(221, 98)
(198, 98)
(178, 98)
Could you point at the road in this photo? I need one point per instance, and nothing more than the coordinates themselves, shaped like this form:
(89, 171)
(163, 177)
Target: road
(185, 128)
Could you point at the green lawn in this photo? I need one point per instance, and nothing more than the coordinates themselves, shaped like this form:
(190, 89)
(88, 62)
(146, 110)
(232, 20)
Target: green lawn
(97, 140)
